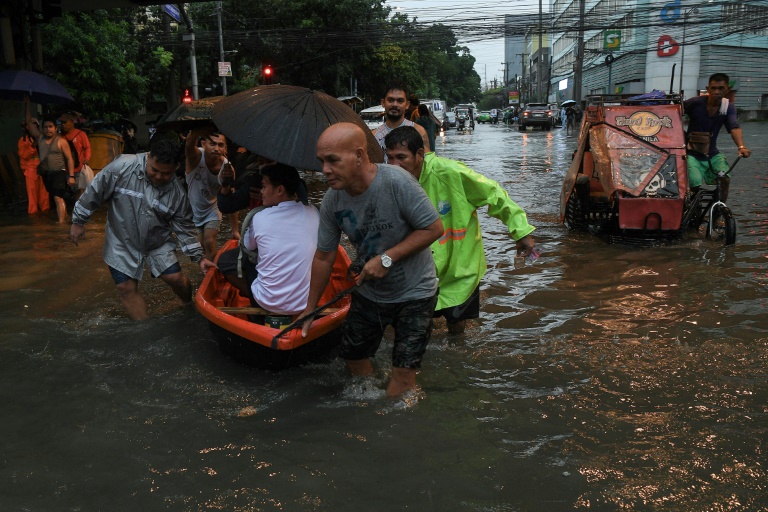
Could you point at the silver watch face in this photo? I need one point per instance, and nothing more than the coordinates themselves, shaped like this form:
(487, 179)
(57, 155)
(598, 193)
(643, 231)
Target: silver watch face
(386, 261)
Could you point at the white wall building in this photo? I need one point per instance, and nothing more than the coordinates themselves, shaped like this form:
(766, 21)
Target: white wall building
(695, 39)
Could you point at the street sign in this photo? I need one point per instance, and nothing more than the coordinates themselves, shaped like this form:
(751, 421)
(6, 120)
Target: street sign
(225, 69)
(514, 97)
(172, 11)
(612, 40)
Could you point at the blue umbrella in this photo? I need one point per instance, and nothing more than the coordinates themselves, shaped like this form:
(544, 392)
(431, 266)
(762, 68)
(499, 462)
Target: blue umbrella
(20, 85)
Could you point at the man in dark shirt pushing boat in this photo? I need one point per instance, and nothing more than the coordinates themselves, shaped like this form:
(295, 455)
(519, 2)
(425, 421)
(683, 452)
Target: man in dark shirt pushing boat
(391, 222)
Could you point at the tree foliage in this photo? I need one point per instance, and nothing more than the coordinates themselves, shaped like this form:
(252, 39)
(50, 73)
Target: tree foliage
(118, 61)
(95, 56)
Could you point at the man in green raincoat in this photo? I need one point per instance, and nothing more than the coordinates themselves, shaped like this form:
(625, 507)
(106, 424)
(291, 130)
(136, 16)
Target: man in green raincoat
(457, 192)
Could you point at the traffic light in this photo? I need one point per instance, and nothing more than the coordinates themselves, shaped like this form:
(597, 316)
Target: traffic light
(186, 98)
(266, 73)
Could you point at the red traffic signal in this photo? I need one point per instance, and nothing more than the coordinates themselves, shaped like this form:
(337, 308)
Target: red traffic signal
(186, 98)
(266, 72)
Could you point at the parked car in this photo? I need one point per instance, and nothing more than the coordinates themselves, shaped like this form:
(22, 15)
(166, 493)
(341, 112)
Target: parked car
(556, 120)
(483, 117)
(373, 116)
(536, 114)
(449, 121)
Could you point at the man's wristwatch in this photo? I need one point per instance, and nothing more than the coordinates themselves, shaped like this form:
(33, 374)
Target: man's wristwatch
(386, 261)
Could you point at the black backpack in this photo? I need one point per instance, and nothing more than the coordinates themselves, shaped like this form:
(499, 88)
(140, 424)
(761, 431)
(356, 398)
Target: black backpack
(73, 150)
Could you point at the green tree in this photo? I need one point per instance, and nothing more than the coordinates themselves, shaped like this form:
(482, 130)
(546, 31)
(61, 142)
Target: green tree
(94, 55)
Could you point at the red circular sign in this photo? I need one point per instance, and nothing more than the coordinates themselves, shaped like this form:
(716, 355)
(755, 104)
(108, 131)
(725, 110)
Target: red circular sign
(667, 46)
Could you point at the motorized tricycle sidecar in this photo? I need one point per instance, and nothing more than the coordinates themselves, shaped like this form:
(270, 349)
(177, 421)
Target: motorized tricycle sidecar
(628, 179)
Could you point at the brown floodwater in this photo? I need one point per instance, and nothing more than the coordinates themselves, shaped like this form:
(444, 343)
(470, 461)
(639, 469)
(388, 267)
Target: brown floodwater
(602, 377)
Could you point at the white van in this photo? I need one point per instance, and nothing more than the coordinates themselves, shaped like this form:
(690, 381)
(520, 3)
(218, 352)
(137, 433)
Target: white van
(373, 116)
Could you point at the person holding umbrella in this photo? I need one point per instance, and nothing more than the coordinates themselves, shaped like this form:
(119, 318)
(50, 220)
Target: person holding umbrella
(389, 219)
(37, 197)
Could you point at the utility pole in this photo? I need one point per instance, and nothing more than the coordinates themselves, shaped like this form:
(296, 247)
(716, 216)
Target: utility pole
(522, 79)
(192, 59)
(579, 68)
(221, 51)
(541, 52)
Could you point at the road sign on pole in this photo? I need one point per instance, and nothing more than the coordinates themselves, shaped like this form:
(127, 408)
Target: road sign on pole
(172, 11)
(612, 40)
(225, 69)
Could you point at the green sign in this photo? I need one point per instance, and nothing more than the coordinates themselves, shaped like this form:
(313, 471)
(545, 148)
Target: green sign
(612, 40)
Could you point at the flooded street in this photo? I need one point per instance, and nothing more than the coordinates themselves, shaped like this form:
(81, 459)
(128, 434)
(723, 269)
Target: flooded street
(602, 377)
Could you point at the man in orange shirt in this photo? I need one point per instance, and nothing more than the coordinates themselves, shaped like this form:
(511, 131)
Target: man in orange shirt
(37, 196)
(77, 137)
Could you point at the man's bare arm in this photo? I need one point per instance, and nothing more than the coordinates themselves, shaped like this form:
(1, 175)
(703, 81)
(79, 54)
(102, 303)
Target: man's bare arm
(191, 153)
(415, 242)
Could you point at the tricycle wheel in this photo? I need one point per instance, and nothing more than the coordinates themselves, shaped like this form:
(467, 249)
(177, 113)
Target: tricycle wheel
(574, 213)
(723, 224)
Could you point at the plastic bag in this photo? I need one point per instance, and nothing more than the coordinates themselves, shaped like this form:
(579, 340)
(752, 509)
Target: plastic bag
(85, 178)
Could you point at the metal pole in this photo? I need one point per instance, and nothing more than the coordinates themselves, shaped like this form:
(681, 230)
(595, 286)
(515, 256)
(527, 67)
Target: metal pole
(682, 55)
(610, 78)
(579, 57)
(541, 54)
(221, 50)
(693, 10)
(193, 65)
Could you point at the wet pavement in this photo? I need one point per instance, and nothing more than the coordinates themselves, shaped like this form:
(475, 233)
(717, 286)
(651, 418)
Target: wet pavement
(601, 377)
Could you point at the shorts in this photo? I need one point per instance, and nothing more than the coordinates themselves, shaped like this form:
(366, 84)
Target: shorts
(121, 278)
(468, 310)
(367, 320)
(703, 171)
(211, 224)
(227, 264)
(56, 183)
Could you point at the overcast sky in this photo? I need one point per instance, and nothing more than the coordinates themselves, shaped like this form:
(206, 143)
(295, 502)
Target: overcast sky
(487, 50)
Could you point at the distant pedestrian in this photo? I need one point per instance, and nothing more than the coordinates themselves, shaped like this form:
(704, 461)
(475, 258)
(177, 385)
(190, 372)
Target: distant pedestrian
(78, 138)
(38, 199)
(130, 144)
(563, 117)
(412, 112)
(56, 164)
(430, 124)
(570, 114)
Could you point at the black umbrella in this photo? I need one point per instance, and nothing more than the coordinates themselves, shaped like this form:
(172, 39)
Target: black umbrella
(188, 116)
(283, 123)
(567, 102)
(22, 85)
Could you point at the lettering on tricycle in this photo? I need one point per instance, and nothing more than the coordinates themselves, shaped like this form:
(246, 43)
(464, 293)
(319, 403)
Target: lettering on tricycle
(645, 124)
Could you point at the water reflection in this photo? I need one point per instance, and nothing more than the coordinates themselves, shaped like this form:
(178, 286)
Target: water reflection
(601, 377)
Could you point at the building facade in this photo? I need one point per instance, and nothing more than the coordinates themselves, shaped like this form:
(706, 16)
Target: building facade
(635, 46)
